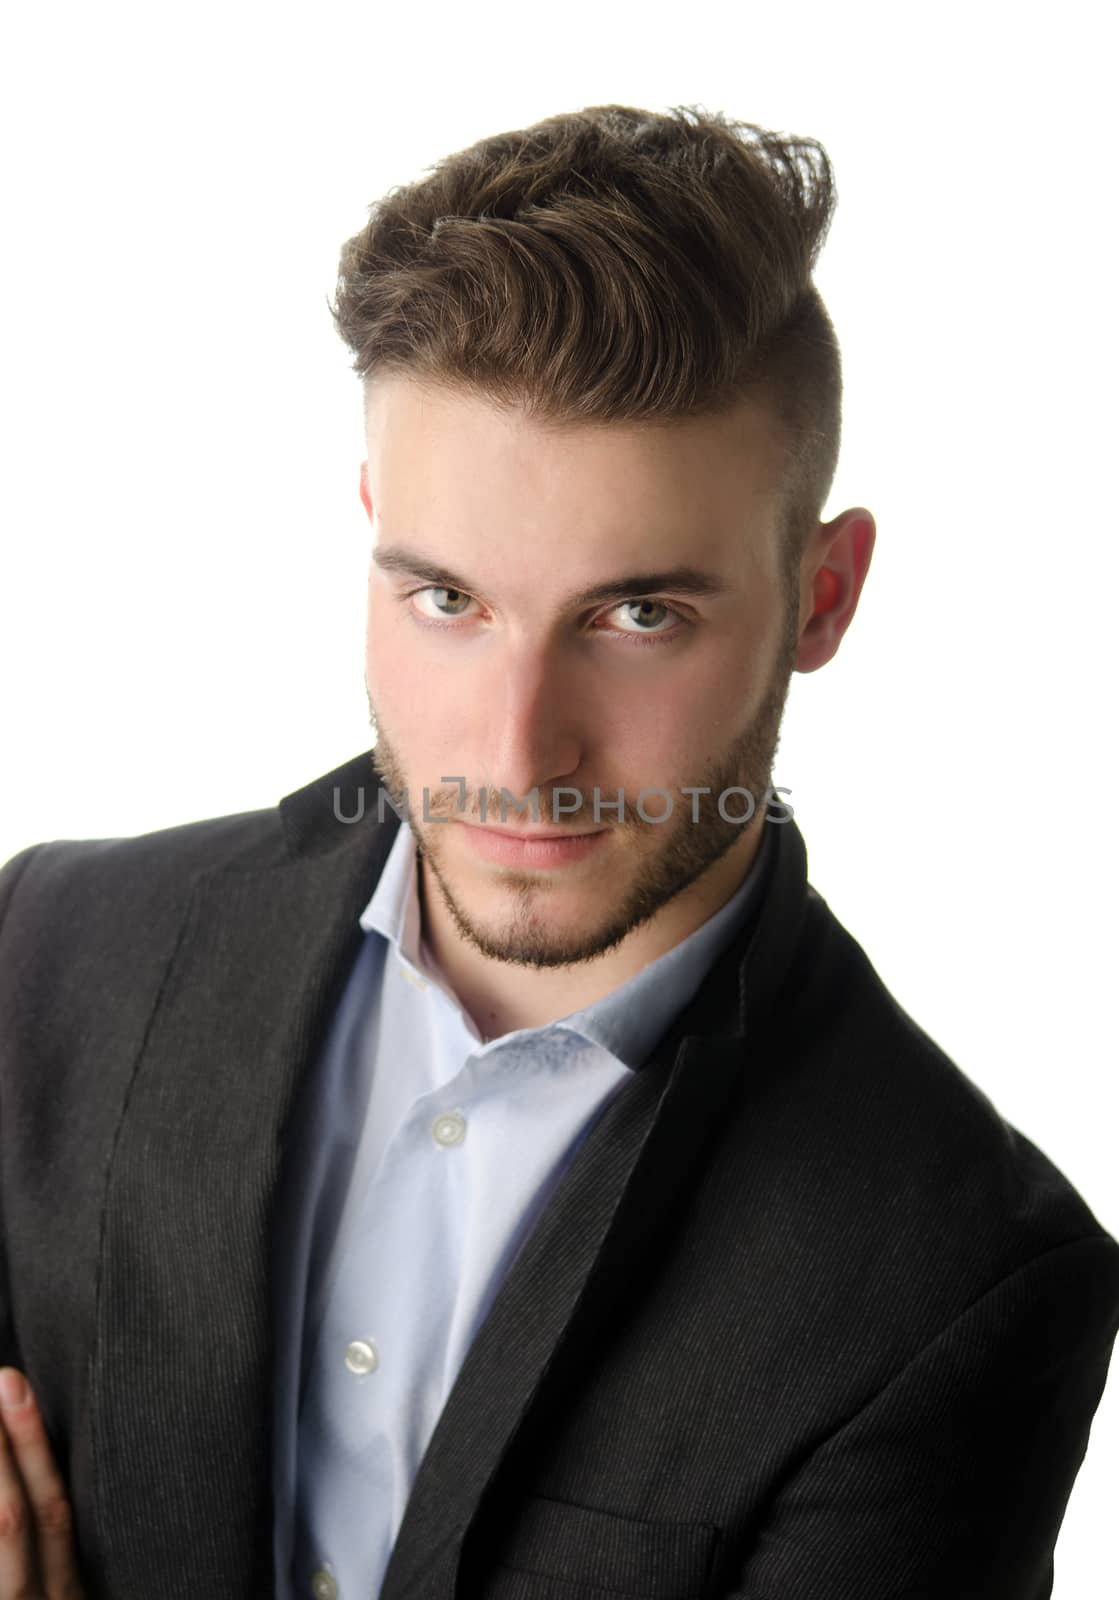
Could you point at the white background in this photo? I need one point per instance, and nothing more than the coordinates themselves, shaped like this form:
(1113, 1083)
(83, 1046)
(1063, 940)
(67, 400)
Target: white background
(184, 549)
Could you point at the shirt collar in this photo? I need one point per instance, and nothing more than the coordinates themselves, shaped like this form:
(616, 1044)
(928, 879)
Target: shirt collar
(394, 909)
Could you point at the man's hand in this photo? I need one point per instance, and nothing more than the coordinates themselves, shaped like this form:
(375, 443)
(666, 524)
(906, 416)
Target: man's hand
(37, 1557)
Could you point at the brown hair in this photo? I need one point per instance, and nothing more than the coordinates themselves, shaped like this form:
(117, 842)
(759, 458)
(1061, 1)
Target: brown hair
(613, 264)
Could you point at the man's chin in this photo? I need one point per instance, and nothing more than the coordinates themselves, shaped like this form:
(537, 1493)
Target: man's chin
(538, 919)
(538, 944)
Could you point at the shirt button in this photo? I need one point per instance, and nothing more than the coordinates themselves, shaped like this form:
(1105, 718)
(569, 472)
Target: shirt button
(324, 1585)
(450, 1128)
(361, 1357)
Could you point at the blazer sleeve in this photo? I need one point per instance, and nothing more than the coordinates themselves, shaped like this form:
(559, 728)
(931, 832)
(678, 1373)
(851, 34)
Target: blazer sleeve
(954, 1478)
(10, 875)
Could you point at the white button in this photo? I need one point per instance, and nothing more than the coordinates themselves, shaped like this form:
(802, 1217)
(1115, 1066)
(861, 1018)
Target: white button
(450, 1128)
(413, 977)
(361, 1356)
(324, 1585)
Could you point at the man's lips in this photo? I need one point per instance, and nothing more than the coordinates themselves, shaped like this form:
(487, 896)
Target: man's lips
(526, 847)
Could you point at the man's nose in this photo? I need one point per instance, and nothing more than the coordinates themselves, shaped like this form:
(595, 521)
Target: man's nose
(536, 735)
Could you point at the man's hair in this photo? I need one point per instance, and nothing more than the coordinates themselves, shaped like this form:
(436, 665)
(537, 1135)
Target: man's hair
(609, 265)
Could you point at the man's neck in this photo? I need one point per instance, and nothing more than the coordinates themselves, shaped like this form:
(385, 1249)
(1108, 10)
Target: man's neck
(501, 996)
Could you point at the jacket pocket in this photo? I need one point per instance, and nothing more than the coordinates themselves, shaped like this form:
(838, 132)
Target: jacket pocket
(555, 1551)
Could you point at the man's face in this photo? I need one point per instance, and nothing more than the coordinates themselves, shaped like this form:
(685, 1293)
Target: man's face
(490, 660)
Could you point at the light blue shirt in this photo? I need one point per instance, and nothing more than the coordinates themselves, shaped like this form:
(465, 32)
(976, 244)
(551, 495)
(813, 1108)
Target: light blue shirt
(423, 1157)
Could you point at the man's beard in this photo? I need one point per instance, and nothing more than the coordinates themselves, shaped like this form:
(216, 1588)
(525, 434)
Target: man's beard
(688, 848)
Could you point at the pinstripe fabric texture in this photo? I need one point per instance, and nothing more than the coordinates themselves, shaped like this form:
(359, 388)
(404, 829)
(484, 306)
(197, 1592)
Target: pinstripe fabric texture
(805, 1319)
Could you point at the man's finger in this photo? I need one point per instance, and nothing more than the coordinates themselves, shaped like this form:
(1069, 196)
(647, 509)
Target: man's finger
(50, 1532)
(17, 1558)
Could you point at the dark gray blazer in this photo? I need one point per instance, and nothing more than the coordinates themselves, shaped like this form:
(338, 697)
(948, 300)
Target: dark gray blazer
(806, 1319)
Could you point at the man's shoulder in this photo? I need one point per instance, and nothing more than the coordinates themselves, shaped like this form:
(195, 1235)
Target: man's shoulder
(881, 1149)
(311, 818)
(116, 906)
(83, 878)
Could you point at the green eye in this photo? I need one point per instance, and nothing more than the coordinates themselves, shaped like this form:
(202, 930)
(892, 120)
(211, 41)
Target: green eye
(445, 602)
(456, 601)
(644, 608)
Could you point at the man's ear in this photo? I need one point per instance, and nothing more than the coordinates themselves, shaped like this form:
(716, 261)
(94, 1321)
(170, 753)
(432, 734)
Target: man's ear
(832, 572)
(363, 490)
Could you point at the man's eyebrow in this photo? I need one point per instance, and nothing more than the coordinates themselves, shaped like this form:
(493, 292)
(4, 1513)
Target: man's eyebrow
(678, 580)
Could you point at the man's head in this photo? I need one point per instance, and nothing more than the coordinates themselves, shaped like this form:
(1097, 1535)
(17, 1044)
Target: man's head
(602, 415)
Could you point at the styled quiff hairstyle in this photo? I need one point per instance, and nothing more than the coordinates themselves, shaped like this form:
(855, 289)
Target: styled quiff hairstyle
(613, 265)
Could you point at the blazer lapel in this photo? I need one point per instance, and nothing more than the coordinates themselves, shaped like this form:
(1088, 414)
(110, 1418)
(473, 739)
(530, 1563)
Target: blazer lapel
(181, 1372)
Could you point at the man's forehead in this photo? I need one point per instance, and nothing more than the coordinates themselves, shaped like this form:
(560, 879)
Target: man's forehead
(397, 403)
(444, 467)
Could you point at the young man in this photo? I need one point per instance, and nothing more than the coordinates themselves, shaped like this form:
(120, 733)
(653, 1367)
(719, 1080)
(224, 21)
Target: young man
(527, 1188)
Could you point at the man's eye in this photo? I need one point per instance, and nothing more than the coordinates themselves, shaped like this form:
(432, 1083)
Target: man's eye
(648, 616)
(443, 602)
